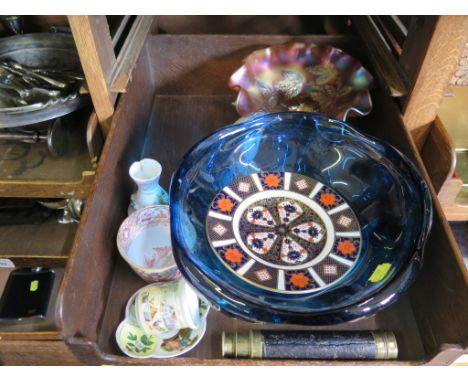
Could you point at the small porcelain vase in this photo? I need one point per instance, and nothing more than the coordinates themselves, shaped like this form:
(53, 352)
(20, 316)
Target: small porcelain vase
(146, 174)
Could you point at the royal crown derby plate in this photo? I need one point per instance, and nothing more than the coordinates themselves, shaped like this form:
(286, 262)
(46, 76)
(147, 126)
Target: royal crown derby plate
(288, 232)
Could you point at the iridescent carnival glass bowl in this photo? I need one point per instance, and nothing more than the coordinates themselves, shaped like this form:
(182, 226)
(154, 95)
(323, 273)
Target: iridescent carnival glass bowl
(300, 77)
(296, 217)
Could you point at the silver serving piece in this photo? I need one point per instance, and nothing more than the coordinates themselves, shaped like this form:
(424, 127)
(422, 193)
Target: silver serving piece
(13, 23)
(40, 79)
(55, 137)
(72, 208)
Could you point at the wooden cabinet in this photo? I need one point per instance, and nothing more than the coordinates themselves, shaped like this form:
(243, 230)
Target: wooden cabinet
(177, 94)
(29, 171)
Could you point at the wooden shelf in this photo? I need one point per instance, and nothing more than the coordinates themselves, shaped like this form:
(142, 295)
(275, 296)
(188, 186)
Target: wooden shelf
(45, 244)
(29, 170)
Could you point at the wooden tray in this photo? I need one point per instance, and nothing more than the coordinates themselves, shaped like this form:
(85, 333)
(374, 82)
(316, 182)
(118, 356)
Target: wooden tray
(178, 95)
(29, 170)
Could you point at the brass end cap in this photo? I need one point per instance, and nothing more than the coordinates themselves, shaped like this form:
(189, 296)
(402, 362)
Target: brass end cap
(242, 345)
(386, 345)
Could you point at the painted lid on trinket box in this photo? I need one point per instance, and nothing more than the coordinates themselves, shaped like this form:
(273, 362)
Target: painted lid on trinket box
(290, 216)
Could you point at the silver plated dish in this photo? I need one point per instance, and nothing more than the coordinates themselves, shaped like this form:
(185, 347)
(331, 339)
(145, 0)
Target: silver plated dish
(54, 51)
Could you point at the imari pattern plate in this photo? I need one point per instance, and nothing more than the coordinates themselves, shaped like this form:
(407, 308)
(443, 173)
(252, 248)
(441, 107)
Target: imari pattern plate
(284, 232)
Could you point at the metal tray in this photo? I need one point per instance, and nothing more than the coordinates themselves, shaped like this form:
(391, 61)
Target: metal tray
(53, 50)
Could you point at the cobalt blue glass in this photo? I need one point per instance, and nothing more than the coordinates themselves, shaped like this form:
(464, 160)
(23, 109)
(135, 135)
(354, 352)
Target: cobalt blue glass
(298, 218)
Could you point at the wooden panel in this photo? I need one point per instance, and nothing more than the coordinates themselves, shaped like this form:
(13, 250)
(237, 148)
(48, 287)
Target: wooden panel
(240, 24)
(82, 303)
(48, 189)
(22, 353)
(33, 260)
(415, 45)
(90, 354)
(437, 68)
(94, 45)
(439, 295)
(448, 196)
(172, 134)
(438, 155)
(444, 282)
(453, 113)
(117, 26)
(386, 65)
(395, 27)
(47, 238)
(31, 336)
(129, 53)
(206, 66)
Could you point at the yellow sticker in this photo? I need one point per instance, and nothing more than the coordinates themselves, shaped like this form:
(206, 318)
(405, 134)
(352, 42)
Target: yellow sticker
(380, 272)
(34, 286)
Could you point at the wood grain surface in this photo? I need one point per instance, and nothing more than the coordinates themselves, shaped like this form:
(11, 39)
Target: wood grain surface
(420, 31)
(128, 55)
(437, 68)
(448, 195)
(94, 44)
(34, 352)
(438, 154)
(36, 240)
(84, 291)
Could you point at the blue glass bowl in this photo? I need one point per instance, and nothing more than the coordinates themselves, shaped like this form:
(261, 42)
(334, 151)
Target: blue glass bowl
(298, 218)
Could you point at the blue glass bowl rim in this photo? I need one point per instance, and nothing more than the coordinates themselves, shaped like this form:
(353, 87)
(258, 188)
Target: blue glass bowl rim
(367, 307)
(350, 131)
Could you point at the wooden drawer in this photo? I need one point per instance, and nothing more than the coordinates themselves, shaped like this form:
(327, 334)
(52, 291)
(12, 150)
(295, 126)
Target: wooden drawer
(178, 95)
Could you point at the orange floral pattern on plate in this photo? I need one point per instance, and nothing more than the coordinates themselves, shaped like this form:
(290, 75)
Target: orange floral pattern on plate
(233, 255)
(225, 205)
(346, 247)
(276, 212)
(272, 180)
(327, 199)
(299, 280)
